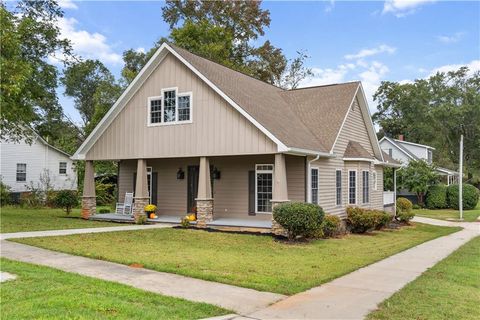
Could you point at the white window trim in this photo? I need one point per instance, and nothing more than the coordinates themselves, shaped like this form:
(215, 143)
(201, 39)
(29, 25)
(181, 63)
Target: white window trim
(363, 186)
(375, 178)
(356, 188)
(161, 98)
(341, 188)
(256, 186)
(310, 200)
(66, 168)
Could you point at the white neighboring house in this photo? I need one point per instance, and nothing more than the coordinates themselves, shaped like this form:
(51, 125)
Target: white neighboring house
(404, 151)
(23, 164)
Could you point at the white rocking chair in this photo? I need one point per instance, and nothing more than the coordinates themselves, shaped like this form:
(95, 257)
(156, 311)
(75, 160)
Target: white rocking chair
(126, 206)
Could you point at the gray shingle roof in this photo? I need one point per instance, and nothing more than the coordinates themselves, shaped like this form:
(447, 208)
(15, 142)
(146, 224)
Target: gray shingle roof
(355, 150)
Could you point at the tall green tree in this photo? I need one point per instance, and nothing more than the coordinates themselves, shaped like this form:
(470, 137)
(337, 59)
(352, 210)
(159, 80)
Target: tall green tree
(436, 111)
(416, 177)
(29, 37)
(81, 81)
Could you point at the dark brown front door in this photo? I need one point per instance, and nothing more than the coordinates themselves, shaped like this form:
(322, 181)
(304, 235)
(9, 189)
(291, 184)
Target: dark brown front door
(192, 180)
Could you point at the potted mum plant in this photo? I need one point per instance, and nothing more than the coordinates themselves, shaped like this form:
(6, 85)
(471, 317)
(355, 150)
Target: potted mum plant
(150, 211)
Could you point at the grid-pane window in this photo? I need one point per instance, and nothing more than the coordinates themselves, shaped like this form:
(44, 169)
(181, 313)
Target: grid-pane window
(374, 178)
(314, 185)
(183, 108)
(62, 168)
(169, 106)
(21, 172)
(338, 187)
(352, 187)
(155, 111)
(366, 187)
(264, 187)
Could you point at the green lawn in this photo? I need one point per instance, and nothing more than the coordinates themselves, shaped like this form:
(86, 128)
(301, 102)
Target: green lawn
(444, 214)
(45, 293)
(252, 261)
(15, 219)
(449, 290)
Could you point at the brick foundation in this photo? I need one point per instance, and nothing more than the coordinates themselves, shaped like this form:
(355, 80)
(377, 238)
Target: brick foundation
(204, 212)
(89, 207)
(138, 207)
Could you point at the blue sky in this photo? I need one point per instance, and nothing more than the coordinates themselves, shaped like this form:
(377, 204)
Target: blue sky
(369, 41)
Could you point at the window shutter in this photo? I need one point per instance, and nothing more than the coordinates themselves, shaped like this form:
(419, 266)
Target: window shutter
(134, 182)
(251, 193)
(154, 187)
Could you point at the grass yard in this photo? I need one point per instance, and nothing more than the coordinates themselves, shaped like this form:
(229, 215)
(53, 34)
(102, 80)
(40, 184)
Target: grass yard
(45, 293)
(15, 219)
(252, 261)
(444, 214)
(449, 290)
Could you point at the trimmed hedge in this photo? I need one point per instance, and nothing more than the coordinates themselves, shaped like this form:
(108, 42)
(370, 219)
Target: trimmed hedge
(299, 219)
(361, 220)
(404, 205)
(436, 197)
(470, 196)
(331, 226)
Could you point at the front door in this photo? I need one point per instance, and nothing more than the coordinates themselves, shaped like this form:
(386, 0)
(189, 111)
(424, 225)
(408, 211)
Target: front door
(192, 179)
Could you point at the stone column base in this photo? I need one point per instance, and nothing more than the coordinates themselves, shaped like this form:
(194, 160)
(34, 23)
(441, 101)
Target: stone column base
(89, 207)
(204, 212)
(138, 207)
(277, 229)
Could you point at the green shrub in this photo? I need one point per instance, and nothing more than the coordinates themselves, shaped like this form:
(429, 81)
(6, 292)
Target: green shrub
(4, 194)
(470, 196)
(436, 197)
(416, 207)
(185, 222)
(382, 219)
(66, 199)
(360, 220)
(404, 205)
(299, 219)
(404, 216)
(141, 219)
(331, 226)
(104, 210)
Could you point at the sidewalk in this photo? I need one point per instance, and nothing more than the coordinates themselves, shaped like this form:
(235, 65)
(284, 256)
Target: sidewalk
(240, 300)
(355, 295)
(66, 232)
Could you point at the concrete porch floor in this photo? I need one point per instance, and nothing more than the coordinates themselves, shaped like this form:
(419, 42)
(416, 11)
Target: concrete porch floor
(219, 222)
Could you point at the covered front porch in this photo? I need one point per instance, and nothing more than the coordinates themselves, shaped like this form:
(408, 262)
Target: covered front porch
(224, 192)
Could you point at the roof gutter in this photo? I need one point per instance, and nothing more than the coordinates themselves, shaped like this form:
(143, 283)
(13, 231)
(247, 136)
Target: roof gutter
(307, 152)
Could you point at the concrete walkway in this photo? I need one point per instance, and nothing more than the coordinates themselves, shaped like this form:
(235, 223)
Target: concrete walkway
(66, 232)
(355, 295)
(240, 300)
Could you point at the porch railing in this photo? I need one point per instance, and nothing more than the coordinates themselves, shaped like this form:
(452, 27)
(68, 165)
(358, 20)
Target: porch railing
(388, 197)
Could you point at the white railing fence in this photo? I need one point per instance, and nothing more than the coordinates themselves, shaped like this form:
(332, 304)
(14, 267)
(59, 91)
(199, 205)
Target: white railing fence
(388, 197)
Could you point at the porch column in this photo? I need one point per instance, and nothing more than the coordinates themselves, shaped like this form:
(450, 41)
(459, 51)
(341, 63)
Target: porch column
(141, 189)
(280, 190)
(204, 198)
(394, 192)
(89, 204)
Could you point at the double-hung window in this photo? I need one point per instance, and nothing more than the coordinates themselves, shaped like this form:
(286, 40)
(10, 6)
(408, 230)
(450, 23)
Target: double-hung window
(264, 187)
(21, 172)
(62, 168)
(366, 187)
(314, 185)
(338, 187)
(352, 187)
(170, 108)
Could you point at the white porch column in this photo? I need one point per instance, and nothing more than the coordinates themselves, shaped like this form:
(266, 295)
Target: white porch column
(141, 189)
(89, 204)
(394, 192)
(280, 190)
(204, 200)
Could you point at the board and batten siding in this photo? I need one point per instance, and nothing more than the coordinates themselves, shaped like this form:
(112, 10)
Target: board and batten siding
(354, 129)
(230, 192)
(216, 128)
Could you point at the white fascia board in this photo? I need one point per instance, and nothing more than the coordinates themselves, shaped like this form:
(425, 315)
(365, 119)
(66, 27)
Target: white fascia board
(280, 145)
(119, 104)
(344, 120)
(303, 152)
(414, 144)
(359, 159)
(370, 123)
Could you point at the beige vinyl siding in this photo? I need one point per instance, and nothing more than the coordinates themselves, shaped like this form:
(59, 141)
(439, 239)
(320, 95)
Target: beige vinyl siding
(354, 129)
(216, 128)
(230, 192)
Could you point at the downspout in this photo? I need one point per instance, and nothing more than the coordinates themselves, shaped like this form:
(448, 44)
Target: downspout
(309, 177)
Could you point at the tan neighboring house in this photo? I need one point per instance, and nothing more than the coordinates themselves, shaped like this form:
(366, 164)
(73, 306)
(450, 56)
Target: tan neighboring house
(192, 135)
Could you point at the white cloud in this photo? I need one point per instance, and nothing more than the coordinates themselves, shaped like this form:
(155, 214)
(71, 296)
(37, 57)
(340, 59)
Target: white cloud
(328, 75)
(401, 8)
(473, 66)
(141, 50)
(67, 4)
(330, 6)
(451, 38)
(383, 48)
(88, 45)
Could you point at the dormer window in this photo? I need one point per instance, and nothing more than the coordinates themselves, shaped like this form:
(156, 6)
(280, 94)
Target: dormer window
(170, 108)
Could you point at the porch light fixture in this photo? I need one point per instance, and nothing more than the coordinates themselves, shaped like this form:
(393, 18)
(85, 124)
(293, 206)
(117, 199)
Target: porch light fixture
(216, 174)
(180, 174)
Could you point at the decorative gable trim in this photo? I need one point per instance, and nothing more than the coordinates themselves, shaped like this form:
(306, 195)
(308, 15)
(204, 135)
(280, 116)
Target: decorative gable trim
(143, 75)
